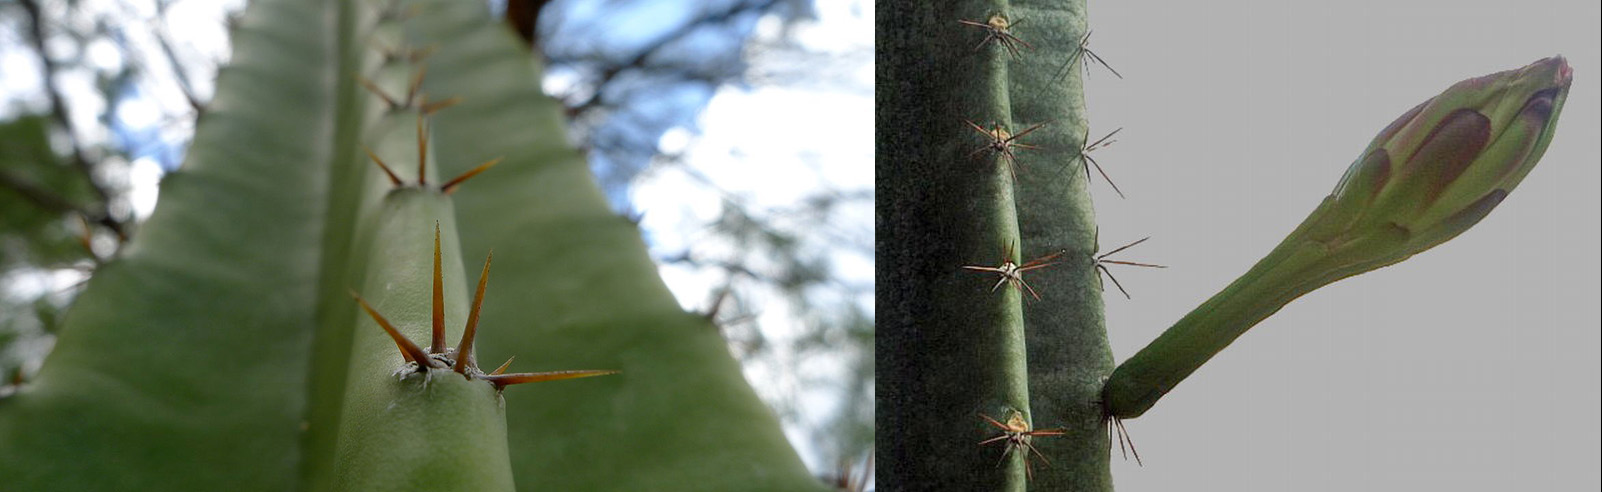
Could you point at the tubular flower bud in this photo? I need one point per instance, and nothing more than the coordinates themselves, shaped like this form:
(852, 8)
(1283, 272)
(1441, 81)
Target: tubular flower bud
(1426, 178)
(1442, 166)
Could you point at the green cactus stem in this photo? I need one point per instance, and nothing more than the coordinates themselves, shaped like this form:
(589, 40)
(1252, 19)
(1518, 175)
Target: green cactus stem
(972, 84)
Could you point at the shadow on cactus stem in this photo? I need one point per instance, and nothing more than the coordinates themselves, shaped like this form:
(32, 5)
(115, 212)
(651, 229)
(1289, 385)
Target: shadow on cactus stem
(1427, 177)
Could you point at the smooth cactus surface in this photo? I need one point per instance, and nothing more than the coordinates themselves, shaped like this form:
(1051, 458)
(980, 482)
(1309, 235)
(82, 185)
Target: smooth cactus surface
(227, 336)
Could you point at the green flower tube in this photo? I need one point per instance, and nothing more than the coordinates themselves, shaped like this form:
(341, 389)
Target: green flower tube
(1427, 177)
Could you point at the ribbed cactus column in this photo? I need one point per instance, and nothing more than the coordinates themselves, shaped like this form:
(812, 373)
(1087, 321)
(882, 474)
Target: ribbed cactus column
(949, 347)
(1068, 351)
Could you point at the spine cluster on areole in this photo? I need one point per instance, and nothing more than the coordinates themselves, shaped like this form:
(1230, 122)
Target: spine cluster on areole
(461, 360)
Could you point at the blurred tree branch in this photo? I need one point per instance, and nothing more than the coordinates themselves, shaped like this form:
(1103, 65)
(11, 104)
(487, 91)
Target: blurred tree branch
(58, 110)
(44, 198)
(610, 68)
(523, 16)
(160, 31)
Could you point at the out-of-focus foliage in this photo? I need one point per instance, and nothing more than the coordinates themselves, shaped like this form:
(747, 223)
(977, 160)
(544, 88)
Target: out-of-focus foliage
(63, 166)
(40, 196)
(40, 229)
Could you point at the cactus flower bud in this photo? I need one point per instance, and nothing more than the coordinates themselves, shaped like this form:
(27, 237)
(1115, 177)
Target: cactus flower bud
(1426, 178)
(1446, 163)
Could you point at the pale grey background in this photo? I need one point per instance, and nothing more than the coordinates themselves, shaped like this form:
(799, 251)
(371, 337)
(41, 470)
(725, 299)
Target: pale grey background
(1473, 366)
